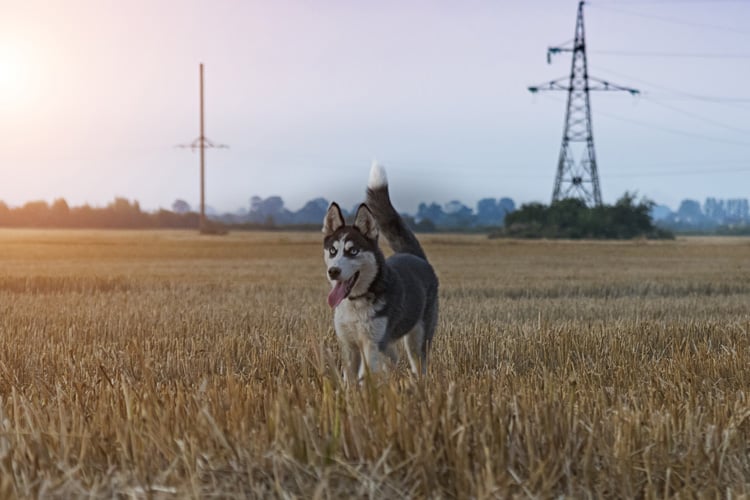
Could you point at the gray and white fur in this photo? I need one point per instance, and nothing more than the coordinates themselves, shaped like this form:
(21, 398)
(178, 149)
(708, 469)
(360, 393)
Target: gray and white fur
(378, 301)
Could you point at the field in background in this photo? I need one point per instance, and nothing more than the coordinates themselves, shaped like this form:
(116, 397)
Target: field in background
(169, 365)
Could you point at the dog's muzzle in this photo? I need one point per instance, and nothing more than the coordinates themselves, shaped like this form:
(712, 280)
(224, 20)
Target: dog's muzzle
(334, 273)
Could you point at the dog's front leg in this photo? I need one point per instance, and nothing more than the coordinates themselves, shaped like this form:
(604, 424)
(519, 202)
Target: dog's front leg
(376, 359)
(352, 359)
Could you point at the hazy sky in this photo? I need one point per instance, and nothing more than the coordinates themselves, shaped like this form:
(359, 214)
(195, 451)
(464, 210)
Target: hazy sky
(95, 94)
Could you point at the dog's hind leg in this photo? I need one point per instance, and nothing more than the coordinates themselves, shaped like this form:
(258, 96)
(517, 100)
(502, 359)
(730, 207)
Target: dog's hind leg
(429, 324)
(413, 342)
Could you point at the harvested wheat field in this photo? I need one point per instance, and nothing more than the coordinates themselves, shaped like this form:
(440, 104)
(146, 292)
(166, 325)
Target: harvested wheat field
(172, 365)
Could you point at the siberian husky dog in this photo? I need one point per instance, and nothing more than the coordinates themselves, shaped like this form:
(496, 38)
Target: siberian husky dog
(376, 300)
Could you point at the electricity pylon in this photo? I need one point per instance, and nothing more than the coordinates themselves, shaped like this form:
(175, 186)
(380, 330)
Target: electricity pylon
(581, 179)
(201, 143)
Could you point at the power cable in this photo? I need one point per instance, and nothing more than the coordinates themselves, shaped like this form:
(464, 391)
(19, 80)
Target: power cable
(689, 95)
(675, 131)
(666, 2)
(681, 173)
(670, 20)
(696, 116)
(686, 55)
(668, 129)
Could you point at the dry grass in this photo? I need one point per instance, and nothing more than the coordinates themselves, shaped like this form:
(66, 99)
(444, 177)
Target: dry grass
(170, 365)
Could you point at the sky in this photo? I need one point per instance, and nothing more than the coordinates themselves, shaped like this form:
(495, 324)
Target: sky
(96, 94)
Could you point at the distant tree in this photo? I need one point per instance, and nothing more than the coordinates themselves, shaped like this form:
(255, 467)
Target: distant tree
(507, 204)
(489, 213)
(433, 211)
(630, 219)
(180, 207)
(60, 213)
(571, 218)
(165, 218)
(4, 213)
(690, 210)
(123, 206)
(529, 212)
(738, 210)
(492, 213)
(731, 211)
(86, 216)
(123, 213)
(312, 212)
(60, 206)
(714, 209)
(120, 213)
(457, 215)
(273, 204)
(455, 207)
(425, 226)
(34, 214)
(256, 204)
(273, 207)
(660, 212)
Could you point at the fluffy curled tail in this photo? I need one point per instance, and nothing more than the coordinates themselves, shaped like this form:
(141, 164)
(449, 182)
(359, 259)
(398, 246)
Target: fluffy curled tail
(392, 226)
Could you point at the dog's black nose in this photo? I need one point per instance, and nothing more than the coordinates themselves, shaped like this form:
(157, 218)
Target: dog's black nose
(334, 272)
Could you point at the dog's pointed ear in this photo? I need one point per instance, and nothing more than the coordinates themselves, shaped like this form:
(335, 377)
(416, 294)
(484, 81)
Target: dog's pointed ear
(365, 222)
(333, 219)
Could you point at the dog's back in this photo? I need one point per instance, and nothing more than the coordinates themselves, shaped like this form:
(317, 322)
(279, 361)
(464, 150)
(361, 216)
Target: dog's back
(411, 286)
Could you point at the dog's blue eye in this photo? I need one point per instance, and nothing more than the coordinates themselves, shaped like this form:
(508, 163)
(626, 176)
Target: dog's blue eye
(353, 251)
(332, 251)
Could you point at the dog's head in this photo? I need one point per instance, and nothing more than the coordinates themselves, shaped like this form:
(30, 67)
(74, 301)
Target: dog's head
(350, 253)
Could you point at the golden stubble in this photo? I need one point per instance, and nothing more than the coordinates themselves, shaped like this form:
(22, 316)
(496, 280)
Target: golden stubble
(171, 365)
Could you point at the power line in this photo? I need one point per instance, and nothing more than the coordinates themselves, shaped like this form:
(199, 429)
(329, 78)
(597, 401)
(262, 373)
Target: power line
(667, 173)
(697, 116)
(694, 163)
(668, 2)
(686, 55)
(650, 173)
(676, 131)
(671, 20)
(689, 95)
(669, 129)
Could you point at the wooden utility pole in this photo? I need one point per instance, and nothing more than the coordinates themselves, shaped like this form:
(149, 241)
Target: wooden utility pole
(202, 140)
(201, 143)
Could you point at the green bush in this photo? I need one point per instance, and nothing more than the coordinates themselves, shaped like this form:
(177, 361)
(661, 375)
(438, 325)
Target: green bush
(571, 218)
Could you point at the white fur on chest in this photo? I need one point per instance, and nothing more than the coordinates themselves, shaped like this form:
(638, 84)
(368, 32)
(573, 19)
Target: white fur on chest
(355, 323)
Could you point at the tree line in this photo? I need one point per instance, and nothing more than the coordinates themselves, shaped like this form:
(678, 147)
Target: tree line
(119, 214)
(569, 218)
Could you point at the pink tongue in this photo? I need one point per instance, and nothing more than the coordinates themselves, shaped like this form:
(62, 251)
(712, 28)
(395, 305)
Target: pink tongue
(337, 294)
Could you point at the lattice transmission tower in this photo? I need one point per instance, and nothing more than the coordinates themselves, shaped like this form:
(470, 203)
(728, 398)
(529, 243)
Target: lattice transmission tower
(577, 179)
